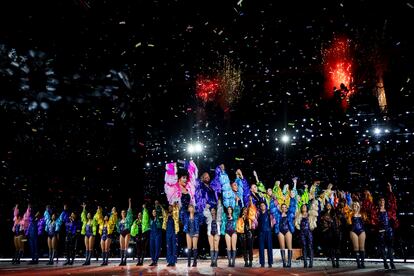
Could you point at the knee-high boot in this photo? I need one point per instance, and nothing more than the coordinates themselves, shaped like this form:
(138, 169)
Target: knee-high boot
(195, 255)
(362, 256)
(391, 257)
(357, 259)
(189, 252)
(289, 263)
(283, 256)
(305, 257)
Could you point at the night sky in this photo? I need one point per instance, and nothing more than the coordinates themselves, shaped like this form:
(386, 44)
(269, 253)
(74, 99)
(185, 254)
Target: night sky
(95, 96)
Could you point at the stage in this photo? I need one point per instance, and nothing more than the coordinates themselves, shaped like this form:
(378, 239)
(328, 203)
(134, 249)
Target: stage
(320, 268)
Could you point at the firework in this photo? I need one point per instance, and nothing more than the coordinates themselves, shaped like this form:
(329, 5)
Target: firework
(222, 86)
(338, 67)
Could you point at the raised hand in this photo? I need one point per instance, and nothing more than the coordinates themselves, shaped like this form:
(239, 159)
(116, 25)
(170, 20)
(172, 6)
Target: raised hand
(83, 205)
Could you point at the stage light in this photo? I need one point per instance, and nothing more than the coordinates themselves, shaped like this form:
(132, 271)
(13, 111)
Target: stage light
(195, 148)
(377, 131)
(198, 147)
(129, 250)
(148, 164)
(285, 138)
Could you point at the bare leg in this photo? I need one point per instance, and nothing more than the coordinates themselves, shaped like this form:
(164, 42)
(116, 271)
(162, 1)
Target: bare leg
(288, 238)
(233, 241)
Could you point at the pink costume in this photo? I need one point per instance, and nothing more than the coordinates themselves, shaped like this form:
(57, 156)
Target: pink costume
(172, 187)
(23, 223)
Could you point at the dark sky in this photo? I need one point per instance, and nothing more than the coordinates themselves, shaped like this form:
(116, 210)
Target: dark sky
(123, 77)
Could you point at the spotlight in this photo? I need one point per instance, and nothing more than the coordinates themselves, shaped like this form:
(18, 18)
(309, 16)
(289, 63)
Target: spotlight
(285, 138)
(148, 164)
(129, 250)
(195, 148)
(190, 148)
(377, 130)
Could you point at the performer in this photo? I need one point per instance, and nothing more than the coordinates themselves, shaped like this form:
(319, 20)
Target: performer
(386, 221)
(89, 227)
(206, 193)
(284, 195)
(257, 198)
(230, 191)
(123, 227)
(106, 230)
(228, 229)
(357, 234)
(180, 185)
(52, 227)
(245, 231)
(265, 224)
(284, 227)
(155, 237)
(213, 221)
(34, 233)
(71, 238)
(305, 222)
(19, 226)
(171, 226)
(191, 227)
(243, 187)
(331, 233)
(140, 231)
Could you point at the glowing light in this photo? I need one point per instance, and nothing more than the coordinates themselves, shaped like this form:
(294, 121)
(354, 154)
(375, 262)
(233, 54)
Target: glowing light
(377, 130)
(285, 138)
(195, 148)
(129, 250)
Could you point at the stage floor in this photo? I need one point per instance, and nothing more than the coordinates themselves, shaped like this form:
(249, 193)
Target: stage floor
(320, 268)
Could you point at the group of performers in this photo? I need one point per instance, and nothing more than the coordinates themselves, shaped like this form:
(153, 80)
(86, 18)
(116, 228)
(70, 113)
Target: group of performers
(215, 208)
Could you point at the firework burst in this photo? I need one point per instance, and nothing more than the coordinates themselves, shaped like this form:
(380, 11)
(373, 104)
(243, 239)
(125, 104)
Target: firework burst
(338, 67)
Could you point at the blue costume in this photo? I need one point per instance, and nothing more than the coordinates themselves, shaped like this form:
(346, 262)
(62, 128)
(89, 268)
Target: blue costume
(191, 226)
(52, 228)
(285, 224)
(155, 239)
(171, 241)
(265, 239)
(205, 194)
(357, 225)
(34, 232)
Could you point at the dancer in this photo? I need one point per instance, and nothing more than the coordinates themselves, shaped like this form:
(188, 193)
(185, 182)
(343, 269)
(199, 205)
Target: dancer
(72, 227)
(140, 231)
(180, 184)
(52, 227)
(386, 221)
(123, 227)
(171, 226)
(245, 231)
(213, 221)
(206, 193)
(243, 187)
(89, 227)
(155, 237)
(357, 234)
(305, 222)
(191, 228)
(284, 227)
(265, 224)
(34, 233)
(106, 230)
(331, 233)
(19, 226)
(228, 229)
